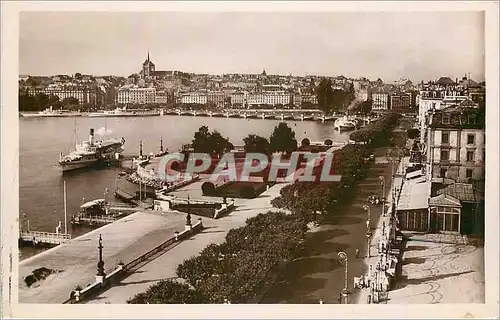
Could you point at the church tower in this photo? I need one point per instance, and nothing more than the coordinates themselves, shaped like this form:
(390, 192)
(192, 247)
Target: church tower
(148, 67)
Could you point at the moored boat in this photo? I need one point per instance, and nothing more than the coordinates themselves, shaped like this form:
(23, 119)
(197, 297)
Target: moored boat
(89, 153)
(344, 124)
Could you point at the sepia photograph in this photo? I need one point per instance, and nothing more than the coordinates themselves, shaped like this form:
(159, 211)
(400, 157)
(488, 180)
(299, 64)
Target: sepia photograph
(253, 157)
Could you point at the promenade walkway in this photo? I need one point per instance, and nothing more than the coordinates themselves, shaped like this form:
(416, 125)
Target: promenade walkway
(318, 272)
(164, 266)
(125, 239)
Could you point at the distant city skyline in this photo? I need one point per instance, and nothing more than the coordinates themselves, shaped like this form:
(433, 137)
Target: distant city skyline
(387, 45)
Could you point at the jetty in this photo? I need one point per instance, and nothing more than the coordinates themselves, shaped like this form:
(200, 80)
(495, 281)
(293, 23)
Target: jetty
(36, 237)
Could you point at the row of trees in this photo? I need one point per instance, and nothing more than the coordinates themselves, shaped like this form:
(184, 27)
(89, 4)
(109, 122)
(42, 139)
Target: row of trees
(237, 269)
(364, 107)
(281, 140)
(306, 198)
(41, 101)
(377, 132)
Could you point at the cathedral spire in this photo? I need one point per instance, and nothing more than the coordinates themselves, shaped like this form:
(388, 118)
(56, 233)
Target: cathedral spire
(148, 55)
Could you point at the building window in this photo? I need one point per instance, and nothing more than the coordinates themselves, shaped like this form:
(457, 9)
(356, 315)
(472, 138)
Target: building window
(448, 219)
(468, 173)
(445, 137)
(470, 138)
(446, 119)
(445, 155)
(442, 172)
(470, 155)
(472, 119)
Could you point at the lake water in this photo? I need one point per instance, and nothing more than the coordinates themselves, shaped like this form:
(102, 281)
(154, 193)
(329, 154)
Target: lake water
(42, 139)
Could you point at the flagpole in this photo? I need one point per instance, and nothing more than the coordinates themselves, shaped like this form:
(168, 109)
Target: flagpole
(65, 211)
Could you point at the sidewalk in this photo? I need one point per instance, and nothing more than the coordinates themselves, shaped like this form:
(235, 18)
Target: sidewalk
(361, 295)
(439, 268)
(164, 266)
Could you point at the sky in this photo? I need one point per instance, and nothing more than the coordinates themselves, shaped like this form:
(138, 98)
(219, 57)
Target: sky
(387, 45)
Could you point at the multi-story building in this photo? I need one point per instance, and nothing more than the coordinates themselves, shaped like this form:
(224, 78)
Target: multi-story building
(400, 102)
(84, 95)
(239, 98)
(194, 98)
(269, 98)
(309, 98)
(136, 95)
(436, 100)
(456, 144)
(216, 98)
(163, 97)
(380, 101)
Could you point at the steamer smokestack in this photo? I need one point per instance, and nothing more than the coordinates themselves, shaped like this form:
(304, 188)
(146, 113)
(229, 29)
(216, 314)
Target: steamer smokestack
(91, 137)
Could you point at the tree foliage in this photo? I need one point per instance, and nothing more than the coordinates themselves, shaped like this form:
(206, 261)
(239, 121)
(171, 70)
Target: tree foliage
(168, 292)
(210, 142)
(37, 102)
(377, 132)
(364, 107)
(283, 139)
(324, 95)
(331, 100)
(305, 142)
(255, 143)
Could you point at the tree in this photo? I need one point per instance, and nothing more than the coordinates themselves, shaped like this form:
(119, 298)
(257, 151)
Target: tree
(255, 143)
(413, 133)
(27, 102)
(283, 139)
(168, 292)
(210, 142)
(70, 101)
(324, 94)
(305, 142)
(219, 143)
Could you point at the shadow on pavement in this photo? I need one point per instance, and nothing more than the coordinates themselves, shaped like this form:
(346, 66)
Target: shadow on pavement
(403, 281)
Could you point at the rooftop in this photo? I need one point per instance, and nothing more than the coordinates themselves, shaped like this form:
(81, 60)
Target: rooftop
(463, 192)
(415, 192)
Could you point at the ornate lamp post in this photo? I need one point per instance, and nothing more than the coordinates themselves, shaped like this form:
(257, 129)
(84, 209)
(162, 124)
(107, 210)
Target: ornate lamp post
(382, 178)
(188, 216)
(368, 243)
(345, 291)
(367, 209)
(100, 264)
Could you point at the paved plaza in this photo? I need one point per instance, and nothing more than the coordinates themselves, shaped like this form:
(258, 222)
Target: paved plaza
(125, 240)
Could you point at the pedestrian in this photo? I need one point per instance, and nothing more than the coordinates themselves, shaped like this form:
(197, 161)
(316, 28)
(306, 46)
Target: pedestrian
(357, 252)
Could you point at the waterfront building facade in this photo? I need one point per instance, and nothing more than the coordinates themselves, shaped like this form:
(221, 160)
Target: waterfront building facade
(216, 98)
(84, 95)
(194, 98)
(136, 95)
(269, 98)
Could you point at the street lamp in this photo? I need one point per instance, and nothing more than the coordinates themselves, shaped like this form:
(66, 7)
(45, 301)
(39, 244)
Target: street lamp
(367, 209)
(368, 244)
(383, 194)
(344, 292)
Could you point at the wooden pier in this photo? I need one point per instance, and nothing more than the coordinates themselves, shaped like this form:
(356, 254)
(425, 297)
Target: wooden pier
(37, 237)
